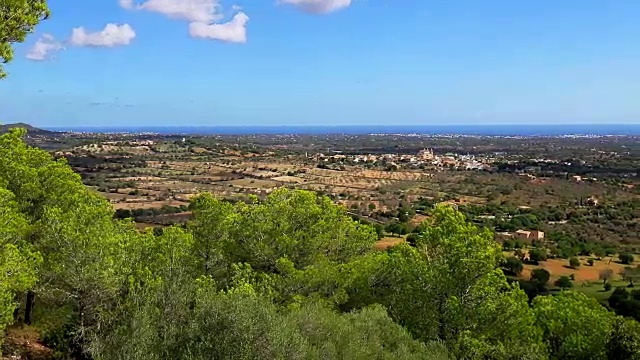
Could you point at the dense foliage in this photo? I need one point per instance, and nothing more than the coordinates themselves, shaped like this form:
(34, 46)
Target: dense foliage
(292, 276)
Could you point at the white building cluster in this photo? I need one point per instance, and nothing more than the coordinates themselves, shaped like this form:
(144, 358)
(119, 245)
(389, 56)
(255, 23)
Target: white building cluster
(423, 157)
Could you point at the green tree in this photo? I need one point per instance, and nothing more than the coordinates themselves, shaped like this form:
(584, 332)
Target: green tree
(513, 265)
(294, 224)
(18, 262)
(379, 230)
(212, 228)
(625, 258)
(71, 228)
(624, 343)
(540, 276)
(574, 325)
(175, 316)
(563, 282)
(574, 262)
(18, 18)
(447, 286)
(536, 255)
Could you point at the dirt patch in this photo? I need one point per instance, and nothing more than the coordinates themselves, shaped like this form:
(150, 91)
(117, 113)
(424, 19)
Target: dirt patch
(142, 204)
(585, 273)
(388, 242)
(263, 174)
(288, 179)
(139, 178)
(418, 219)
(253, 183)
(24, 343)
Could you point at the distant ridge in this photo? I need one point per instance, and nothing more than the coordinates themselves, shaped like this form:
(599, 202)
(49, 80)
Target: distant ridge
(31, 130)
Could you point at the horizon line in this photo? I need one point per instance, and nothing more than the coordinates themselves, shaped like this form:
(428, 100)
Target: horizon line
(337, 125)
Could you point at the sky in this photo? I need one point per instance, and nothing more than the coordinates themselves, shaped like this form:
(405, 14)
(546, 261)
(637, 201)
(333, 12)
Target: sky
(327, 62)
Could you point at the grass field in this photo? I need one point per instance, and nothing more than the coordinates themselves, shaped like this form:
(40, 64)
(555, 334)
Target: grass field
(596, 289)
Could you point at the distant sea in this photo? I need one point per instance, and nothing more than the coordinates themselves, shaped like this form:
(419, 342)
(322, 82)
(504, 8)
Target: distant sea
(481, 130)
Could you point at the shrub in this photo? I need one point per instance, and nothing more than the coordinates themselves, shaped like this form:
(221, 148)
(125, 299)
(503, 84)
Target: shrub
(541, 276)
(412, 239)
(563, 282)
(574, 262)
(536, 255)
(625, 258)
(513, 265)
(507, 245)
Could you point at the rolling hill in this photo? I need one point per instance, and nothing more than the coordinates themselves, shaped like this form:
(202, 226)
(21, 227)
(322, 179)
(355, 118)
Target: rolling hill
(31, 130)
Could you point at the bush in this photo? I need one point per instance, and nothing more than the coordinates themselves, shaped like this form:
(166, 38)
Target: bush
(513, 265)
(540, 276)
(536, 255)
(625, 258)
(563, 282)
(412, 239)
(590, 262)
(507, 245)
(607, 287)
(574, 262)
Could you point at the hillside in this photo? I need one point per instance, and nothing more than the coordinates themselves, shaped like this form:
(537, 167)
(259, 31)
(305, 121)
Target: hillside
(31, 130)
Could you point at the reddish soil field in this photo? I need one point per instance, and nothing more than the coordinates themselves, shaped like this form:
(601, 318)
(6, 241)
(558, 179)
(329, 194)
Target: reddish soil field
(585, 273)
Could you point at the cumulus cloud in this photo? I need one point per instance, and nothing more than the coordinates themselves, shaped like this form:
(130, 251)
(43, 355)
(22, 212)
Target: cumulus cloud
(234, 30)
(204, 17)
(112, 35)
(318, 6)
(203, 11)
(44, 48)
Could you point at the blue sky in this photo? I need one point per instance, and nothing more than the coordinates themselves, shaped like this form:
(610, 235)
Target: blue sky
(328, 62)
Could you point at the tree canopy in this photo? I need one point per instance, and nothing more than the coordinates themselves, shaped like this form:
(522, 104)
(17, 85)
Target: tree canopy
(18, 18)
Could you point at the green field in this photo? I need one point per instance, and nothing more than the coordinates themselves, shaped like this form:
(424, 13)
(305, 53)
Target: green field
(596, 289)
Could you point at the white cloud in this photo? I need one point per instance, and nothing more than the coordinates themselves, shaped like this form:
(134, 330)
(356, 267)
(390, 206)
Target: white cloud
(112, 35)
(318, 6)
(203, 11)
(234, 30)
(126, 4)
(44, 48)
(204, 17)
